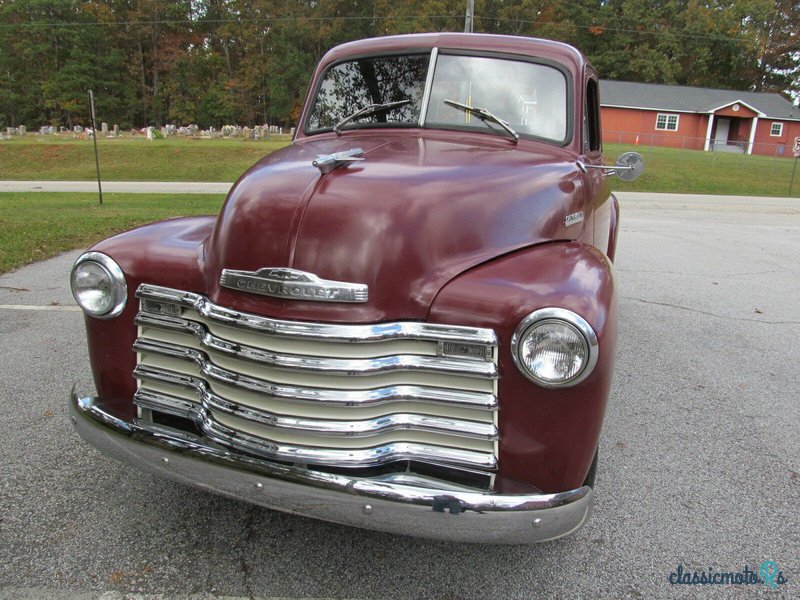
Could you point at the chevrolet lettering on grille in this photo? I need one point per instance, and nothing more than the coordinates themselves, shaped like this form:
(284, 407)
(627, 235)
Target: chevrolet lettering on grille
(294, 285)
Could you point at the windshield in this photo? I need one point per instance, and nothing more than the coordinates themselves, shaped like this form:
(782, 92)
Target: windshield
(351, 86)
(529, 98)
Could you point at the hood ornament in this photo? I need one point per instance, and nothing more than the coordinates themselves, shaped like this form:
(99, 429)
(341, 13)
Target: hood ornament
(292, 284)
(328, 162)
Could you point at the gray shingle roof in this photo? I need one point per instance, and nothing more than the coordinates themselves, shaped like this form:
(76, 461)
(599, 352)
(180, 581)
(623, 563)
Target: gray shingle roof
(691, 99)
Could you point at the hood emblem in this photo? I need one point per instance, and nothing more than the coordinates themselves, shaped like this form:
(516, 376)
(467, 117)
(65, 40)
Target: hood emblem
(293, 285)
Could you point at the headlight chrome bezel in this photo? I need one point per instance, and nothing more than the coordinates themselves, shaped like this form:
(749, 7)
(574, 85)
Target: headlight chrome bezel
(118, 285)
(564, 317)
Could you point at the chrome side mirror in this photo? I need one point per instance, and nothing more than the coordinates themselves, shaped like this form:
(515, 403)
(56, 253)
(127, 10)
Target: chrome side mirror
(628, 168)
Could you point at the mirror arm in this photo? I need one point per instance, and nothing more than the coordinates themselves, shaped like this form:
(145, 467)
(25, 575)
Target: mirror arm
(607, 169)
(628, 168)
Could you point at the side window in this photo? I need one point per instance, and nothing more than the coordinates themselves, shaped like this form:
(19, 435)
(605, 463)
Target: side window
(591, 118)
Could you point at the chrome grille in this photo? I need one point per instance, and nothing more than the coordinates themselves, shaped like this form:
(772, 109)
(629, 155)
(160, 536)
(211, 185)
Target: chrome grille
(351, 396)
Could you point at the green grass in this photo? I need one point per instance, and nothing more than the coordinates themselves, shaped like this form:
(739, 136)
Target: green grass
(35, 226)
(132, 158)
(40, 225)
(179, 159)
(695, 172)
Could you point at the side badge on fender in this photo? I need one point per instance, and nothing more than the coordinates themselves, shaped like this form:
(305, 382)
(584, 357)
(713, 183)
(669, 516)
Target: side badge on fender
(292, 284)
(573, 219)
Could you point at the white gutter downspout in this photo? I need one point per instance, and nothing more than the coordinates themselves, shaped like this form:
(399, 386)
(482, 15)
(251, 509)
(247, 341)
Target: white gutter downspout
(708, 131)
(752, 135)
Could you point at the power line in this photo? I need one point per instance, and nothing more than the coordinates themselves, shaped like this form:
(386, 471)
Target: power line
(242, 21)
(604, 28)
(202, 21)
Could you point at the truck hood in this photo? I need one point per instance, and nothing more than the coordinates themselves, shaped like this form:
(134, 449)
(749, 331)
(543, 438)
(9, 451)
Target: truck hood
(416, 212)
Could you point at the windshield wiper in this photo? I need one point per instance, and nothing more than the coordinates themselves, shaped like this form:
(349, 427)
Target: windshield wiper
(484, 115)
(367, 111)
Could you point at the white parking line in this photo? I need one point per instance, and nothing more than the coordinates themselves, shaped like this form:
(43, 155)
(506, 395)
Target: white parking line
(11, 593)
(35, 307)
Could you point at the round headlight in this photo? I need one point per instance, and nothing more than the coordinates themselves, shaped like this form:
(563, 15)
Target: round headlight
(554, 347)
(98, 285)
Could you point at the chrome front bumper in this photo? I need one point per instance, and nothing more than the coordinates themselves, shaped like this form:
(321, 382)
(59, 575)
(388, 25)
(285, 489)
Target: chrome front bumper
(399, 508)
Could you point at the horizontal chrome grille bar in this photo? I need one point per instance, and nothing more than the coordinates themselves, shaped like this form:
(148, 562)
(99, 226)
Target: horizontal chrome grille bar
(350, 457)
(209, 401)
(367, 457)
(375, 396)
(319, 331)
(348, 367)
(172, 405)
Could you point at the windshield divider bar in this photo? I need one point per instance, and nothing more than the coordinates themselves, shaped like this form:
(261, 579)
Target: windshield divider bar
(426, 95)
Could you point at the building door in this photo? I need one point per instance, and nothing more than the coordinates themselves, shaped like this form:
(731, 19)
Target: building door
(721, 134)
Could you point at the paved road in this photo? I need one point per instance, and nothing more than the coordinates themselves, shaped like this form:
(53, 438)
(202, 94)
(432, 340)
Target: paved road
(643, 199)
(700, 452)
(128, 187)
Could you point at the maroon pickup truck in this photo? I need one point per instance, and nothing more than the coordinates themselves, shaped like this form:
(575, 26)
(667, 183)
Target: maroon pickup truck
(406, 320)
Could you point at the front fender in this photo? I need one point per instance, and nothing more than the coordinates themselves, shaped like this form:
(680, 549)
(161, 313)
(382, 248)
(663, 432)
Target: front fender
(168, 253)
(548, 436)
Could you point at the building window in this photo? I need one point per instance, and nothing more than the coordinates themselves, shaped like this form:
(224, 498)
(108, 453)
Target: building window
(776, 130)
(665, 122)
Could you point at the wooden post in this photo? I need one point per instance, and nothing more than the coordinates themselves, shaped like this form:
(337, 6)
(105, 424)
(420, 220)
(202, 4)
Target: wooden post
(94, 137)
(796, 151)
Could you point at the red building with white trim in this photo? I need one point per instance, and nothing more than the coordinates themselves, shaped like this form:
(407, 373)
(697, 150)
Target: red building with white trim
(698, 118)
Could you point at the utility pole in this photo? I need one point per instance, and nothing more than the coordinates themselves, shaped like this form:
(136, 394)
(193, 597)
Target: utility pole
(796, 150)
(94, 137)
(469, 15)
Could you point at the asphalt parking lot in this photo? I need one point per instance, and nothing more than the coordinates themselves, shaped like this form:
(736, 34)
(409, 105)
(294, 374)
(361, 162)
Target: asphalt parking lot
(700, 455)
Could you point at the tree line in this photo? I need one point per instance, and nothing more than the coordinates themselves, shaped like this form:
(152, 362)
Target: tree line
(215, 62)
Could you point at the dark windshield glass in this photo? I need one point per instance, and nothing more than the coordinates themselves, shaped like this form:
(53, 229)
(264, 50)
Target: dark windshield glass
(350, 86)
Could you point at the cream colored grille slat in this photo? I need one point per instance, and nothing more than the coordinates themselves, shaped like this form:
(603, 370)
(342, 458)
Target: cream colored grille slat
(165, 342)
